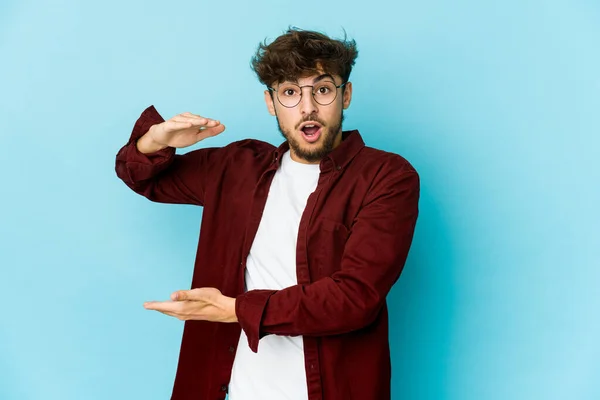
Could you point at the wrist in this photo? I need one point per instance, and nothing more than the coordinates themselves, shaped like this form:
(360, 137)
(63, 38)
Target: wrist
(147, 145)
(230, 307)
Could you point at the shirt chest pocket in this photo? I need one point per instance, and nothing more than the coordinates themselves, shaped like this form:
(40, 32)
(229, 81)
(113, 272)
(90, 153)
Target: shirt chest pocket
(326, 247)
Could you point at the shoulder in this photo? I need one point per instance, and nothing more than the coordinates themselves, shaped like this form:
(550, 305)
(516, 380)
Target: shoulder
(381, 162)
(392, 178)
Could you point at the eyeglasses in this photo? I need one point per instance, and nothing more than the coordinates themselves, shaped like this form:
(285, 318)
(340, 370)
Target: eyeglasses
(290, 94)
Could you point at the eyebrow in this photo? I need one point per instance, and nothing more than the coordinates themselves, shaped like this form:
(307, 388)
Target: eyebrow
(321, 77)
(318, 78)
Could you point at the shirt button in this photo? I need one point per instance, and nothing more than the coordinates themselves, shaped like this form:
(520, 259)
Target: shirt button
(224, 388)
(339, 167)
(231, 349)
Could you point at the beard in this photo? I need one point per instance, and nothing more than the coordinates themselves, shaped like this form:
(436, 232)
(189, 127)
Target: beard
(318, 152)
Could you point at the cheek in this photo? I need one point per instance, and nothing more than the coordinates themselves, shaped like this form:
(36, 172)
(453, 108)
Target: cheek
(287, 119)
(332, 117)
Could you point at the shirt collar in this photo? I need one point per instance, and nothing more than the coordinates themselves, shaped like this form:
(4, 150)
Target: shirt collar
(339, 157)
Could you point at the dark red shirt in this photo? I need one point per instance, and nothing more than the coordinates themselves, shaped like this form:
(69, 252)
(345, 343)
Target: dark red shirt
(353, 240)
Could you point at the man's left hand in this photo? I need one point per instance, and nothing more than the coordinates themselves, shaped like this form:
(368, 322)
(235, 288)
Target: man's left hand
(204, 304)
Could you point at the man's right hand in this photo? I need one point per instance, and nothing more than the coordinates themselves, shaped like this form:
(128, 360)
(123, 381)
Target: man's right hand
(182, 130)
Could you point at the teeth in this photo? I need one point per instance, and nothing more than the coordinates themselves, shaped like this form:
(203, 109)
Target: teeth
(309, 126)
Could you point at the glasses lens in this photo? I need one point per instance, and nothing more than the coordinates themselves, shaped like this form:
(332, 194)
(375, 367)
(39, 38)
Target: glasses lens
(289, 94)
(325, 92)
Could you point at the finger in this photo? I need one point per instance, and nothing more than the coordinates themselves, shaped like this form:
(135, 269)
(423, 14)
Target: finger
(170, 314)
(178, 295)
(176, 125)
(174, 315)
(183, 118)
(189, 114)
(185, 295)
(197, 294)
(201, 124)
(209, 132)
(195, 119)
(162, 306)
(171, 126)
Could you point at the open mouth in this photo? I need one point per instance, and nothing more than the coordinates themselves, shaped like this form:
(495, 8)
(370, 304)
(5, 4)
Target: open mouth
(311, 131)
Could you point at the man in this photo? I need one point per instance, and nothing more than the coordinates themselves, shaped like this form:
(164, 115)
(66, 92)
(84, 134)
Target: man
(299, 244)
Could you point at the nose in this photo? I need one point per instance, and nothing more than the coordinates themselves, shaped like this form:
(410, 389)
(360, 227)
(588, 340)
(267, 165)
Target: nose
(308, 105)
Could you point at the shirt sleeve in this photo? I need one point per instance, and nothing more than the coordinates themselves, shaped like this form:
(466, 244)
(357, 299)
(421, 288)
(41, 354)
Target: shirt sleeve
(374, 256)
(163, 176)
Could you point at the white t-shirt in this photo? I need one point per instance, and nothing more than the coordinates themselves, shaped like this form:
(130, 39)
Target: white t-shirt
(277, 370)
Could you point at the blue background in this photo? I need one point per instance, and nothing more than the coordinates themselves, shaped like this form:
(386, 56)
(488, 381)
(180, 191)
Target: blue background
(496, 104)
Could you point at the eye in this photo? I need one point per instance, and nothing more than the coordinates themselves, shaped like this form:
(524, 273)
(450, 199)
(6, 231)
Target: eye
(288, 90)
(323, 90)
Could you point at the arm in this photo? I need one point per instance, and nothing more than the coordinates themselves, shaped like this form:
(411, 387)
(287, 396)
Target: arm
(351, 298)
(155, 171)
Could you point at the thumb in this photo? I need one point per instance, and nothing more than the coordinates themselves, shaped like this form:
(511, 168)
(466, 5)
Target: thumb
(181, 295)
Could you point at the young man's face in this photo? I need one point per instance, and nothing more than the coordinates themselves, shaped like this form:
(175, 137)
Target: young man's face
(311, 127)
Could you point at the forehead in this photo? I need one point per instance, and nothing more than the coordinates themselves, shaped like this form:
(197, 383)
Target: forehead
(313, 77)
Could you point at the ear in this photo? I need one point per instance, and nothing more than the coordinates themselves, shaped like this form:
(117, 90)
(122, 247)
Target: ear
(269, 102)
(347, 95)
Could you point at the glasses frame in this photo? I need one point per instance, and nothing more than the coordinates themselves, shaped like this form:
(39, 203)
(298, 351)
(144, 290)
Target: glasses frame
(312, 87)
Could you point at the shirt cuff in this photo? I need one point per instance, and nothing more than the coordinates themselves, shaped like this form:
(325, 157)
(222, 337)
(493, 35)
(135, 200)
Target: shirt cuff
(249, 309)
(137, 163)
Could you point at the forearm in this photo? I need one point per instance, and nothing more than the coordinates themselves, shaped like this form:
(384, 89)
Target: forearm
(158, 173)
(140, 160)
(330, 306)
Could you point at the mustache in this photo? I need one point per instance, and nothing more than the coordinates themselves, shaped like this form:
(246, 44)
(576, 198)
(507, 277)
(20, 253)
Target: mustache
(310, 118)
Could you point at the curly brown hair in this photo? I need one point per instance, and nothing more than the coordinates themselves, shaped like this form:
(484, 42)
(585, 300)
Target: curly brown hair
(299, 53)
